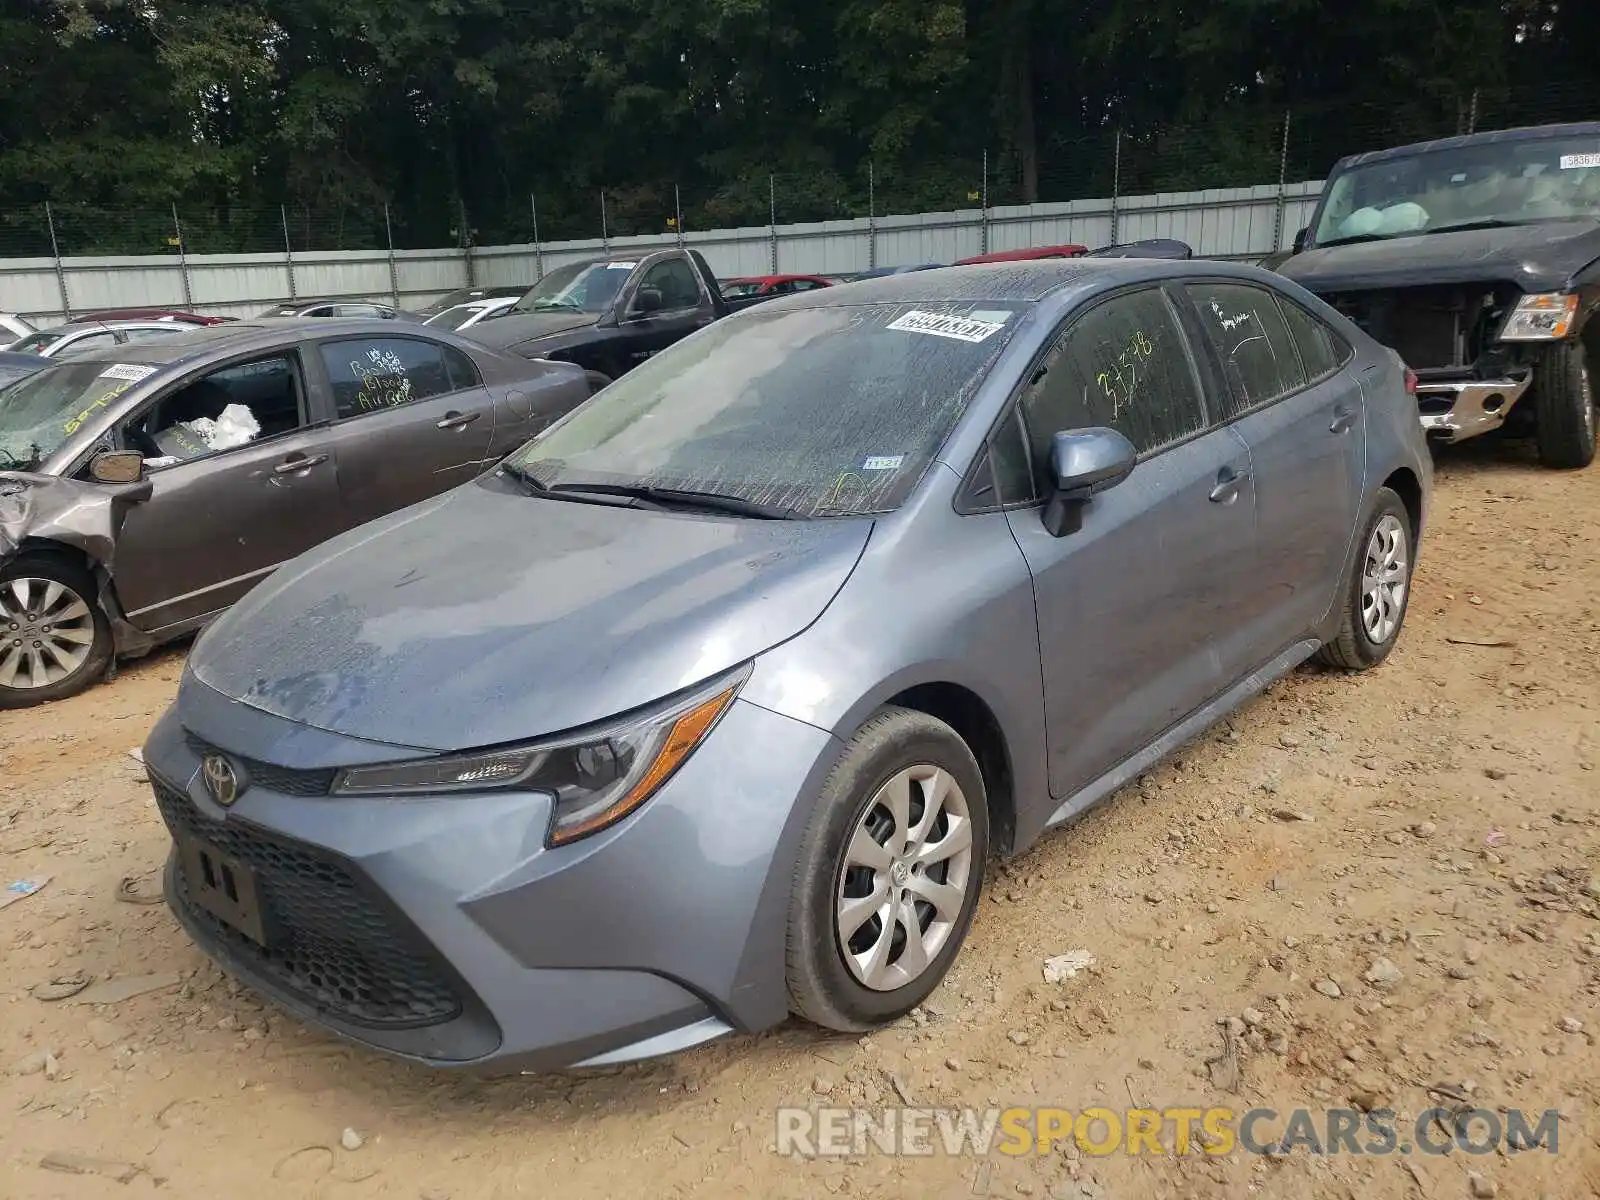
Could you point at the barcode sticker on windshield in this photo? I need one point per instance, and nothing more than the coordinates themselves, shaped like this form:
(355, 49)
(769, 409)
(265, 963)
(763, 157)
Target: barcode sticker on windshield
(132, 372)
(884, 462)
(1571, 162)
(621, 266)
(962, 329)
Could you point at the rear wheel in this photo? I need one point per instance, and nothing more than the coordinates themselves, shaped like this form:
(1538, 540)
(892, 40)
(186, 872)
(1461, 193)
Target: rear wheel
(889, 873)
(54, 640)
(1377, 592)
(1564, 406)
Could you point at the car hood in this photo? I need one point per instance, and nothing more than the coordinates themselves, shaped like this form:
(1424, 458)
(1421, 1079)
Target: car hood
(1536, 258)
(513, 329)
(486, 616)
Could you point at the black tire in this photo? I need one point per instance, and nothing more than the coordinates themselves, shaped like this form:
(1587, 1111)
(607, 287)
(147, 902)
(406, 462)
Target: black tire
(57, 569)
(597, 381)
(822, 988)
(1355, 649)
(1563, 407)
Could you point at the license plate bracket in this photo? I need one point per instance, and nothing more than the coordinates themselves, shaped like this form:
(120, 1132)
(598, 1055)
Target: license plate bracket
(224, 887)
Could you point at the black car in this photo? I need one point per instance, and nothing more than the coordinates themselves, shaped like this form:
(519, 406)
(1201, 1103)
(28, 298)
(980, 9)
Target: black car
(1478, 259)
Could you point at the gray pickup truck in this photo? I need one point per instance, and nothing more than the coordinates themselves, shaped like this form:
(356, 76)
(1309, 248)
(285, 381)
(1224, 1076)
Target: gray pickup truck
(609, 314)
(1477, 258)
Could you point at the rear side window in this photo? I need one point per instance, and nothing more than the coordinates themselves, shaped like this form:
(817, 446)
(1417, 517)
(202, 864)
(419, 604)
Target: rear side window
(1124, 364)
(1247, 330)
(1314, 339)
(463, 371)
(372, 374)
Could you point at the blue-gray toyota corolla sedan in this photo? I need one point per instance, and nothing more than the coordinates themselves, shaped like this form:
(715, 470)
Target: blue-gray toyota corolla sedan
(710, 704)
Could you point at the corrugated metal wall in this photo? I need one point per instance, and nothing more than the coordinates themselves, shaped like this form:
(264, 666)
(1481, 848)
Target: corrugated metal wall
(1221, 223)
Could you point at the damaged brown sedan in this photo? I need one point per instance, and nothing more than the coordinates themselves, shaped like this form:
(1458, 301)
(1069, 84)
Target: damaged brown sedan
(146, 488)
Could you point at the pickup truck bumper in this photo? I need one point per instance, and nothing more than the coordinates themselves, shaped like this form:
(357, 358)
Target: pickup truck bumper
(1454, 410)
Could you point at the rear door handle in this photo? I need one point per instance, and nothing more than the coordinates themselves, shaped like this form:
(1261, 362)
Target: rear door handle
(1229, 482)
(457, 420)
(298, 463)
(1343, 419)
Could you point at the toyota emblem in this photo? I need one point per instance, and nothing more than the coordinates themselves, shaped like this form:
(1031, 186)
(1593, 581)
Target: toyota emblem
(221, 780)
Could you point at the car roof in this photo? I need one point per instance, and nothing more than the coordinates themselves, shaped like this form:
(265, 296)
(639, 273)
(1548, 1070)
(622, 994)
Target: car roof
(264, 333)
(1524, 133)
(1025, 281)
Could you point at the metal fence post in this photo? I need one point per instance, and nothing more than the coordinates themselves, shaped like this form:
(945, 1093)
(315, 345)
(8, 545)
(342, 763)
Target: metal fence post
(677, 204)
(538, 250)
(466, 246)
(394, 269)
(872, 217)
(61, 271)
(183, 259)
(1472, 113)
(1116, 183)
(772, 224)
(605, 227)
(985, 202)
(1283, 183)
(288, 249)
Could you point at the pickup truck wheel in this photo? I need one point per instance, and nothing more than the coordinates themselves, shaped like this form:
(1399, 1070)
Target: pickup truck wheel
(1564, 407)
(597, 381)
(54, 640)
(1373, 607)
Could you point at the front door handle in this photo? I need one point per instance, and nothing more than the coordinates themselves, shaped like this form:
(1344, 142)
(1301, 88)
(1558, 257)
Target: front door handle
(1229, 482)
(457, 420)
(299, 462)
(1343, 419)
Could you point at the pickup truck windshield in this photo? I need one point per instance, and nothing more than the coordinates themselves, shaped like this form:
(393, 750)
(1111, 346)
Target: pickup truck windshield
(577, 287)
(820, 412)
(41, 411)
(1477, 186)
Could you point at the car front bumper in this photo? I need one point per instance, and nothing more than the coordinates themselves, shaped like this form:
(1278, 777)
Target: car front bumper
(441, 930)
(1455, 410)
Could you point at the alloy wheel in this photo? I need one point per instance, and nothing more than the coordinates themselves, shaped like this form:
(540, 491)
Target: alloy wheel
(46, 633)
(1385, 580)
(907, 871)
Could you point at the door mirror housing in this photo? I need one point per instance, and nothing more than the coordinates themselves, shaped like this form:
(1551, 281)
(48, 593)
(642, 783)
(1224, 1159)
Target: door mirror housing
(117, 466)
(648, 300)
(1300, 240)
(1084, 463)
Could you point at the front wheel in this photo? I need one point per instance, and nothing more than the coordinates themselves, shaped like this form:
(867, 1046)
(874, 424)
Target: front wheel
(1377, 592)
(54, 640)
(889, 873)
(597, 381)
(1563, 407)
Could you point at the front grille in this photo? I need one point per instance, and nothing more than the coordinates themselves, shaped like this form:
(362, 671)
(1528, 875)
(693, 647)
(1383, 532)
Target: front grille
(332, 941)
(1430, 327)
(283, 780)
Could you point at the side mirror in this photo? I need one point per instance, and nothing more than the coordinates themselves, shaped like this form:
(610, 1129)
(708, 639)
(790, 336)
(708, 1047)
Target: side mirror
(1300, 240)
(648, 300)
(117, 466)
(1083, 464)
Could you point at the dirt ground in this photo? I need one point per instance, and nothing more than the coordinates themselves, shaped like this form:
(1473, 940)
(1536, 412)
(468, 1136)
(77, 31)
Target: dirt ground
(1439, 814)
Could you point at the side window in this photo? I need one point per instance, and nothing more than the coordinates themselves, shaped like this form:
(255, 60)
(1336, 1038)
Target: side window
(86, 345)
(240, 404)
(1314, 339)
(357, 310)
(674, 279)
(160, 331)
(806, 285)
(372, 374)
(1124, 364)
(463, 371)
(1248, 332)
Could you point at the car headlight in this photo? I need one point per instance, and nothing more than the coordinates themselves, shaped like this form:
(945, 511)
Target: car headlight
(1544, 317)
(596, 777)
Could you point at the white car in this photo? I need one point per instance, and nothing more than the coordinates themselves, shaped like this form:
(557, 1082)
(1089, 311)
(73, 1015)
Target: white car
(13, 326)
(81, 337)
(462, 317)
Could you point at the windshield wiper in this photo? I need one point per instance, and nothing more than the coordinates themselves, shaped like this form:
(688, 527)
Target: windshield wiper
(525, 477)
(684, 498)
(1486, 223)
(539, 305)
(1353, 239)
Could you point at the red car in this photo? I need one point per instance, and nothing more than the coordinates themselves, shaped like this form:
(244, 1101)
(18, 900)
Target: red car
(154, 314)
(772, 285)
(1030, 252)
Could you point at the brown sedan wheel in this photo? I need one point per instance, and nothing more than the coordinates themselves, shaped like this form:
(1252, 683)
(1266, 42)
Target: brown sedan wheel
(54, 640)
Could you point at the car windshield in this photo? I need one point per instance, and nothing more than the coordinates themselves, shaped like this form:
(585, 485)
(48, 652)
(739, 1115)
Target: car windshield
(1485, 185)
(832, 411)
(40, 412)
(455, 318)
(577, 287)
(37, 343)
